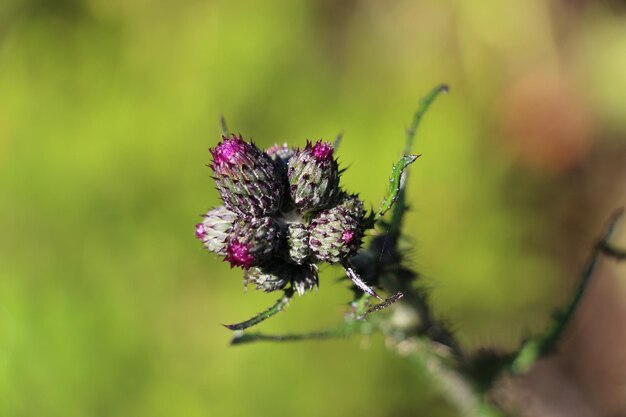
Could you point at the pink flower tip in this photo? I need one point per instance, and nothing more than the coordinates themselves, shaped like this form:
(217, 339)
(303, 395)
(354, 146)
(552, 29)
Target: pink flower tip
(200, 232)
(228, 151)
(238, 254)
(348, 236)
(322, 151)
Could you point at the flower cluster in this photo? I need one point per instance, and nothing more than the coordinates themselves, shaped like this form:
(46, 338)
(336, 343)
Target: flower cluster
(283, 213)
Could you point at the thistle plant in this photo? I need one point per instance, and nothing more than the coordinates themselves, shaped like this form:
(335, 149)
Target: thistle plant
(285, 212)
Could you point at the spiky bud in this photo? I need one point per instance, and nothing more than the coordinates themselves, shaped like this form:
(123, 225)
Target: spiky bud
(215, 229)
(313, 177)
(268, 279)
(305, 278)
(247, 179)
(335, 233)
(276, 276)
(280, 153)
(252, 241)
(298, 249)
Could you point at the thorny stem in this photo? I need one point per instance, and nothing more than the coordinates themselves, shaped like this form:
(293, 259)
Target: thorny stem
(353, 324)
(428, 344)
(546, 343)
(457, 388)
(422, 347)
(414, 297)
(617, 254)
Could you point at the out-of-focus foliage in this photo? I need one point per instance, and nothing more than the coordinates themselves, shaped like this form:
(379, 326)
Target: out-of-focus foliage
(109, 305)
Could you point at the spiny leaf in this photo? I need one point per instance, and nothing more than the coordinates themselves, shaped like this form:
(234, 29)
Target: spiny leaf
(242, 338)
(401, 206)
(356, 279)
(395, 184)
(344, 329)
(223, 126)
(281, 303)
(337, 141)
(377, 307)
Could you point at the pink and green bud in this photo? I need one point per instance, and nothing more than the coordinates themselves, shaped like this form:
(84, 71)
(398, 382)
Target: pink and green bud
(276, 276)
(298, 243)
(268, 279)
(215, 229)
(239, 254)
(335, 233)
(248, 181)
(252, 242)
(313, 177)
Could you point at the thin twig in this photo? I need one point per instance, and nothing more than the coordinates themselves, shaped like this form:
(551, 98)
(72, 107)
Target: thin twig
(456, 387)
(546, 343)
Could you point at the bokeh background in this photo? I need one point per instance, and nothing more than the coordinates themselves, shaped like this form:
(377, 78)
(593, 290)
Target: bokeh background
(110, 307)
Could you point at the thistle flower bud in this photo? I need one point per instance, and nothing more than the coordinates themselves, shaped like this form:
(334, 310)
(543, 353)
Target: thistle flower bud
(313, 177)
(268, 279)
(335, 233)
(276, 276)
(247, 179)
(298, 243)
(215, 228)
(252, 242)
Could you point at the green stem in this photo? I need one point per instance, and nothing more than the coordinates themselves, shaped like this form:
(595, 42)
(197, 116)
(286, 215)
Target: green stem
(425, 103)
(457, 389)
(281, 303)
(243, 338)
(343, 330)
(546, 343)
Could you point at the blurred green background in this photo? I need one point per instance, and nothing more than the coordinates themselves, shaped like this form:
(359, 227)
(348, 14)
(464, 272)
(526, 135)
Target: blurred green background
(108, 304)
